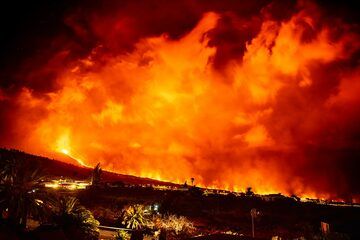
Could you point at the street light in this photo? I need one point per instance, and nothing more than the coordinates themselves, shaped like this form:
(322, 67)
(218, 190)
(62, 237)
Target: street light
(254, 213)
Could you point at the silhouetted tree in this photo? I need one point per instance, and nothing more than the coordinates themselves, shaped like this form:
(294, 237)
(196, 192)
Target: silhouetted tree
(96, 175)
(249, 192)
(192, 181)
(20, 191)
(76, 221)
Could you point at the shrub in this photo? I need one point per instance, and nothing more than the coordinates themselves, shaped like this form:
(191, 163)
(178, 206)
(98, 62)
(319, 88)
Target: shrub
(122, 235)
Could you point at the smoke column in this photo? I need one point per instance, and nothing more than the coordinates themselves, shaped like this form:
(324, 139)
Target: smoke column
(234, 94)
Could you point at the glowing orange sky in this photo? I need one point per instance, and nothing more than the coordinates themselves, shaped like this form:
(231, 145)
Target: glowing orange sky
(163, 110)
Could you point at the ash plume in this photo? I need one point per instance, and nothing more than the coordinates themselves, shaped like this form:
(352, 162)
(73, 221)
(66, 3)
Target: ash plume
(232, 93)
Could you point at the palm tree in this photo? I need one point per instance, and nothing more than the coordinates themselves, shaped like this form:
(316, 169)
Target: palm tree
(20, 191)
(192, 181)
(135, 217)
(75, 220)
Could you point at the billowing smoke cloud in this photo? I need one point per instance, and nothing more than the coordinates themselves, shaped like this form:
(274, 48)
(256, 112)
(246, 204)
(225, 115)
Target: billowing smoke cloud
(261, 94)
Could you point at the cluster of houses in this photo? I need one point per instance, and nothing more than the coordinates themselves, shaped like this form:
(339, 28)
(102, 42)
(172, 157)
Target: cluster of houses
(66, 184)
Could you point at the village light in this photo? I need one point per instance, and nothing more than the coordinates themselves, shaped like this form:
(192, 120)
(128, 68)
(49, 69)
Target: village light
(156, 207)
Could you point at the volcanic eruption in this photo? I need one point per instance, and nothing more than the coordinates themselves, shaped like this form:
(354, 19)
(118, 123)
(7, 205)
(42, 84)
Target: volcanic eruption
(233, 94)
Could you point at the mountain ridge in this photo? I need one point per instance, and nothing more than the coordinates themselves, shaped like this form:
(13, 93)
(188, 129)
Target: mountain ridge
(55, 168)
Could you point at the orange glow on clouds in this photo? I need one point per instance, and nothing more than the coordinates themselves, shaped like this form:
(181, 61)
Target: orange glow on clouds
(163, 111)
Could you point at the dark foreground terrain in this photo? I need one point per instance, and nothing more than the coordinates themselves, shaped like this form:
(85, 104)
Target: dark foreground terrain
(279, 217)
(212, 212)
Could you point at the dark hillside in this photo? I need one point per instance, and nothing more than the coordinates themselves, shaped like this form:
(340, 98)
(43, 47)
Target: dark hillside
(55, 168)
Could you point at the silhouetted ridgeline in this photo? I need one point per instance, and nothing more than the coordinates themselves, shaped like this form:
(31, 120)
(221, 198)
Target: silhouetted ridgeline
(55, 168)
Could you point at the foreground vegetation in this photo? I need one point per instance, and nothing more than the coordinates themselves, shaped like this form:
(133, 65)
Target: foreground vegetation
(145, 213)
(23, 198)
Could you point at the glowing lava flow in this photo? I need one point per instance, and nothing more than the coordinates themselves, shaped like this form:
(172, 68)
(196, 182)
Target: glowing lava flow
(67, 153)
